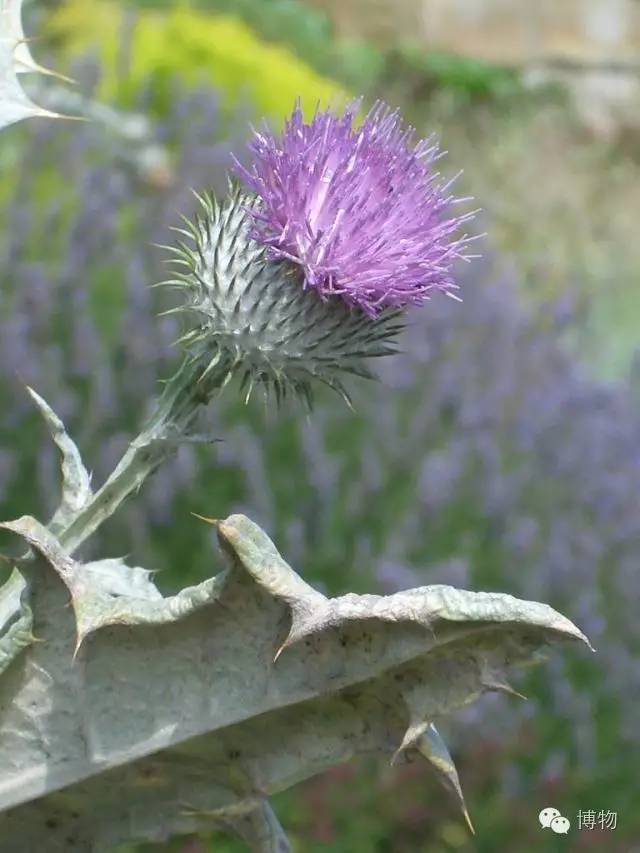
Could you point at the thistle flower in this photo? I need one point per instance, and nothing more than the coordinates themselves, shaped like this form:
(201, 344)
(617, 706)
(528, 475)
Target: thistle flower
(361, 210)
(251, 316)
(304, 278)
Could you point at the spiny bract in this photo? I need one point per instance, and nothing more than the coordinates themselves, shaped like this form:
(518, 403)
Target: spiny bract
(251, 316)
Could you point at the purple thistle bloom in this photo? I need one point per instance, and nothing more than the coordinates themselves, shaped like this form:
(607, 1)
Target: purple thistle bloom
(360, 209)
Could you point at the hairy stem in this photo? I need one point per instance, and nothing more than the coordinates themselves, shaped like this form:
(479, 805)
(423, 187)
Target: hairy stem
(158, 441)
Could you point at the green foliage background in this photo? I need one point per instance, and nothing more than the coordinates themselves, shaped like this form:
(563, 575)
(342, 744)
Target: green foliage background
(193, 46)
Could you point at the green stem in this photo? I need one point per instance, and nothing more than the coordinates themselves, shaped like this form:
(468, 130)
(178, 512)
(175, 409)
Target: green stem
(159, 440)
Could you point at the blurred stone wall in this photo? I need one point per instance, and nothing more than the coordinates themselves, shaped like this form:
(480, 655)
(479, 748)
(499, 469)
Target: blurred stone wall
(591, 45)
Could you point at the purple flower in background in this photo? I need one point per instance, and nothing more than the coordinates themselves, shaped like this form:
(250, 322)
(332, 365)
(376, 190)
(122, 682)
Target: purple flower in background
(361, 209)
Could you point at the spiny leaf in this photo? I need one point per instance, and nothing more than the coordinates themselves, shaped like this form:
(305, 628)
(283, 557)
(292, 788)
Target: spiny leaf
(173, 715)
(16, 619)
(260, 828)
(76, 481)
(431, 746)
(15, 58)
(108, 592)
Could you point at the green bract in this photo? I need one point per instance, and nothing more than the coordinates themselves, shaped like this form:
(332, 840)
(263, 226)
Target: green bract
(251, 316)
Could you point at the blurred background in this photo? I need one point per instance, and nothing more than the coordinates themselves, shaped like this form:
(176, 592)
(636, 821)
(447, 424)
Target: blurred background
(499, 451)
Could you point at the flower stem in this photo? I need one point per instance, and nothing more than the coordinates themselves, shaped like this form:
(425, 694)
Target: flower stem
(158, 441)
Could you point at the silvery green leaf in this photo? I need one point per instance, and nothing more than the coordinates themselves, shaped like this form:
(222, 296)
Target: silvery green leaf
(101, 597)
(76, 481)
(139, 717)
(425, 739)
(15, 613)
(260, 828)
(16, 619)
(11, 30)
(15, 59)
(114, 577)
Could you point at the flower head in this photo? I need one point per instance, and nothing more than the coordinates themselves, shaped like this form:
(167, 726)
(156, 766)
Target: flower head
(250, 316)
(304, 278)
(361, 210)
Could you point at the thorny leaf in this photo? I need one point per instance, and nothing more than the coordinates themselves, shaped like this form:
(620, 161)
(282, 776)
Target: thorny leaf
(260, 828)
(174, 714)
(76, 481)
(426, 740)
(16, 619)
(16, 59)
